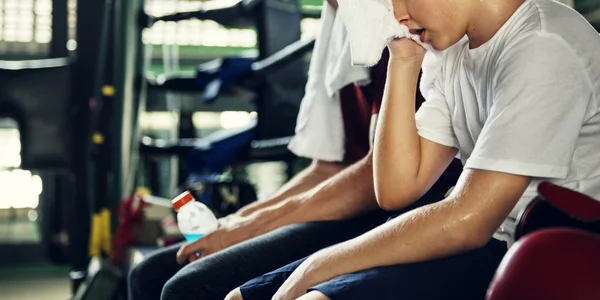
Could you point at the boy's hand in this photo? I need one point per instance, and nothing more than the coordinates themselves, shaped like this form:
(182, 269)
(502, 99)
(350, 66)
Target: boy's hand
(405, 49)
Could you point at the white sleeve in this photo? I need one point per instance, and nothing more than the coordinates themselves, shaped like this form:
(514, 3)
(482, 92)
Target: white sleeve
(541, 92)
(433, 117)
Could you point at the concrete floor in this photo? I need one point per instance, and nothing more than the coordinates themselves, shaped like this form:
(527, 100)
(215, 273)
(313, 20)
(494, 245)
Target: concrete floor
(47, 287)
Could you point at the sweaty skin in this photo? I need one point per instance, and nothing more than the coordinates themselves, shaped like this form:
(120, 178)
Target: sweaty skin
(406, 165)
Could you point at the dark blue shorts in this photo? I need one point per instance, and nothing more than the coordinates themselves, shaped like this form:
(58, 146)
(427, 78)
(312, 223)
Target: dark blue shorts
(461, 277)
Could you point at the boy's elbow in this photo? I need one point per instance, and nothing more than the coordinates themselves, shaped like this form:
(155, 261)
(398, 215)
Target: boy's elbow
(470, 239)
(393, 201)
(397, 194)
(386, 204)
(472, 233)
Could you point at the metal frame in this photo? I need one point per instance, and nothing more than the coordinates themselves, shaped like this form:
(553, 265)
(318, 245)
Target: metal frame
(60, 29)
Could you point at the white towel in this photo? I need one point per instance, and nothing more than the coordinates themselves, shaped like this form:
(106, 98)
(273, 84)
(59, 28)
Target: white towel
(371, 26)
(320, 125)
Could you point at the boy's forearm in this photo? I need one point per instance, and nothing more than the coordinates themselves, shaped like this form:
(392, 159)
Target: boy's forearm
(315, 174)
(397, 143)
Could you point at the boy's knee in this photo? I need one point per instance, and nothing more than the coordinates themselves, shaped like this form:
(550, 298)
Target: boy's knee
(234, 295)
(314, 295)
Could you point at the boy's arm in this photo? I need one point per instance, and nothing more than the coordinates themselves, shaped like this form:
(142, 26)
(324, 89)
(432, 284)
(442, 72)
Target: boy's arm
(406, 165)
(464, 221)
(307, 179)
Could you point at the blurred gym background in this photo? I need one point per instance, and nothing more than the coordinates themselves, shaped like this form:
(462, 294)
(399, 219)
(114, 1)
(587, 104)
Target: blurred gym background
(137, 86)
(43, 29)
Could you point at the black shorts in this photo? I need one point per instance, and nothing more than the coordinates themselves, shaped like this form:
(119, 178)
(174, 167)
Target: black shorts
(461, 277)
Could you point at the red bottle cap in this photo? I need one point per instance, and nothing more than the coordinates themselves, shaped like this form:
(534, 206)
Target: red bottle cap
(182, 200)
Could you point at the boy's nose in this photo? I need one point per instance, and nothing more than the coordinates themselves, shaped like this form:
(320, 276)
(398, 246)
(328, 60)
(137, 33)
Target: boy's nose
(400, 11)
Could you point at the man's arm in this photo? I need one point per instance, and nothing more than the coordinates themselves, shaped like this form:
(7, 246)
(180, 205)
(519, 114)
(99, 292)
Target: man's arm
(464, 221)
(346, 194)
(316, 173)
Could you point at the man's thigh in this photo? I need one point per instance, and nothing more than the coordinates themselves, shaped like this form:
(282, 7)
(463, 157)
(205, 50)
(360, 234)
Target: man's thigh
(214, 276)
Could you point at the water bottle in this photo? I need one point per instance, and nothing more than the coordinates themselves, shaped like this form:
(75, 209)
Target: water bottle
(194, 219)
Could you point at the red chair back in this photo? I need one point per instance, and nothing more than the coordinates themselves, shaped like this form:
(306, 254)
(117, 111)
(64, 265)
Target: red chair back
(557, 206)
(550, 264)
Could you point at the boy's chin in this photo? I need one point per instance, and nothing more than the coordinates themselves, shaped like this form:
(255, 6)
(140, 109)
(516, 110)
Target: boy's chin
(444, 43)
(438, 46)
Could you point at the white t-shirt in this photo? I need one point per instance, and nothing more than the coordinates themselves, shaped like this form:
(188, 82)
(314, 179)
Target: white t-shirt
(526, 102)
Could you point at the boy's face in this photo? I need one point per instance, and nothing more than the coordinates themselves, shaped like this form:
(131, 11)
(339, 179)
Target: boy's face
(441, 23)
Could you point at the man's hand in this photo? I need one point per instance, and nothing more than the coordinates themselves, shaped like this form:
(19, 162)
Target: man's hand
(231, 230)
(229, 220)
(407, 50)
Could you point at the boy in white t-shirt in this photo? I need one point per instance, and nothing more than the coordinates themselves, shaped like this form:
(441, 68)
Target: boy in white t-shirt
(516, 95)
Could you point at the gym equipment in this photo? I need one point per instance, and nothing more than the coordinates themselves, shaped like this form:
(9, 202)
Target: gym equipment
(210, 156)
(278, 25)
(232, 14)
(276, 77)
(36, 94)
(281, 89)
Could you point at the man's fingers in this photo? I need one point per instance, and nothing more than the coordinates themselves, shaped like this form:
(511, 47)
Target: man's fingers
(180, 256)
(188, 250)
(206, 252)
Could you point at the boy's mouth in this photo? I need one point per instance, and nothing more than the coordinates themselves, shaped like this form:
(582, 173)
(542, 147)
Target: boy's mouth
(420, 33)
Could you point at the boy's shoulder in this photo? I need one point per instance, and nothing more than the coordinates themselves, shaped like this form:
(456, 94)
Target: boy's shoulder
(548, 29)
(554, 19)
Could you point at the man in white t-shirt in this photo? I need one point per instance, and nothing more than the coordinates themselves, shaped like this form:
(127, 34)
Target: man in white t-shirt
(515, 94)
(331, 201)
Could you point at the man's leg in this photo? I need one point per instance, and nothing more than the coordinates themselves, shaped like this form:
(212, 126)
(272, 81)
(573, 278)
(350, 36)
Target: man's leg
(465, 276)
(214, 276)
(148, 277)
